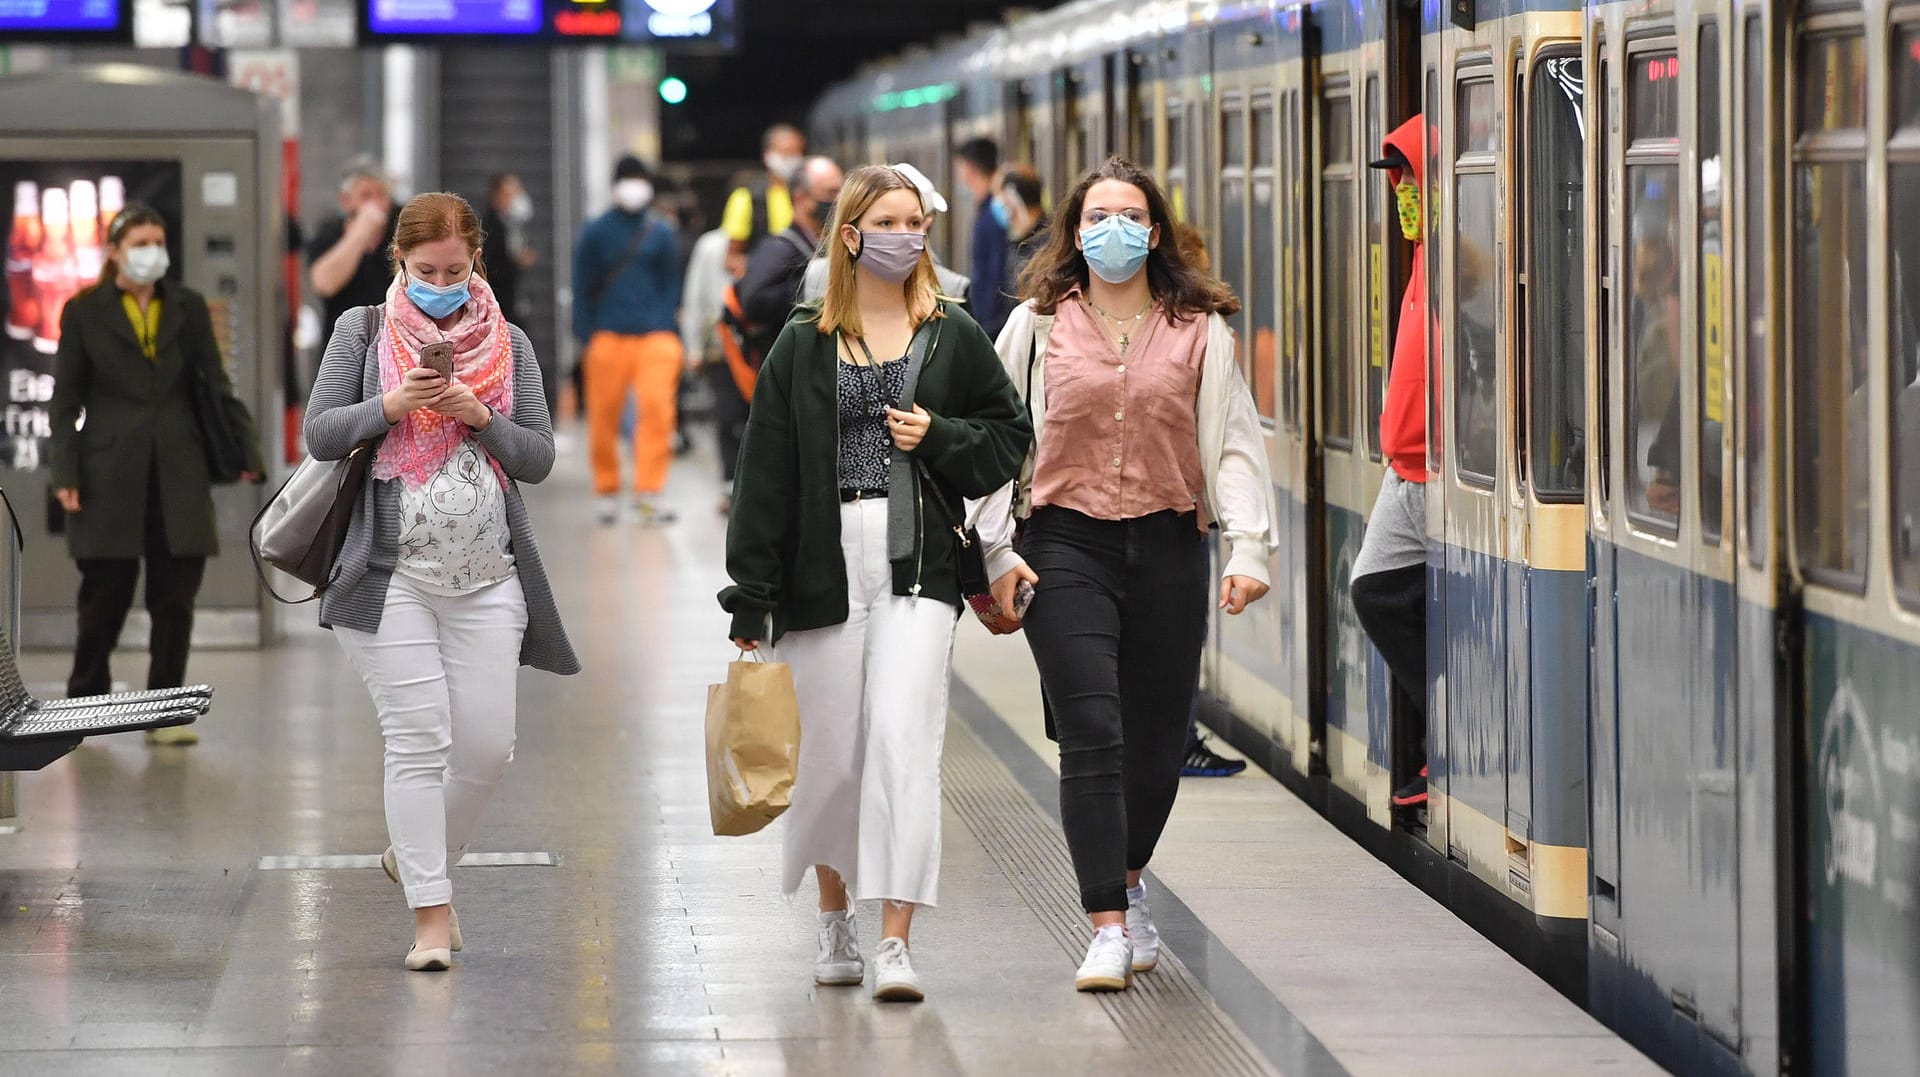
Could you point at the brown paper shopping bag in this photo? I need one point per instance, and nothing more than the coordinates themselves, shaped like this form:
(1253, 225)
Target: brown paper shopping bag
(753, 746)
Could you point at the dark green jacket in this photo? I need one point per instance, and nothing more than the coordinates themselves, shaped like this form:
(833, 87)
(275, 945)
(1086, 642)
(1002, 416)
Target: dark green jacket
(783, 537)
(139, 414)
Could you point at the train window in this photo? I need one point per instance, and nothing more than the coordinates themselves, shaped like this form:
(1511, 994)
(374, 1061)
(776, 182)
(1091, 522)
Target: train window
(1653, 397)
(1906, 79)
(1712, 279)
(1904, 271)
(1476, 409)
(1829, 353)
(1230, 261)
(1336, 273)
(1379, 310)
(1556, 340)
(1477, 126)
(1753, 194)
(1261, 284)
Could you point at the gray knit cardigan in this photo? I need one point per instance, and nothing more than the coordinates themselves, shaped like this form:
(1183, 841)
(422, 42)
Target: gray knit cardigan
(344, 410)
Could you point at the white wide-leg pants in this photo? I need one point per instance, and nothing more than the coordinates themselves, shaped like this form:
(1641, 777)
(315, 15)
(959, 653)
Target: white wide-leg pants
(873, 717)
(442, 672)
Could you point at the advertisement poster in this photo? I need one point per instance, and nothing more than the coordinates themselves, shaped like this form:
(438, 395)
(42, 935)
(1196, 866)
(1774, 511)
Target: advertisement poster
(57, 215)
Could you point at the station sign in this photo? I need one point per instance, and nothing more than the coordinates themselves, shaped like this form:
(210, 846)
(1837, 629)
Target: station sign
(675, 25)
(79, 22)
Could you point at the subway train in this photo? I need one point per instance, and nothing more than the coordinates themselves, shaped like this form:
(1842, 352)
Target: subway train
(1673, 253)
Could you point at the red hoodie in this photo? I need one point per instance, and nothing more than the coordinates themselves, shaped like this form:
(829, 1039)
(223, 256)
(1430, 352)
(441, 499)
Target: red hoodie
(1403, 416)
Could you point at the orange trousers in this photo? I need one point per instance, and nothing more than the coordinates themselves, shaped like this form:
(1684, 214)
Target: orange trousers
(648, 367)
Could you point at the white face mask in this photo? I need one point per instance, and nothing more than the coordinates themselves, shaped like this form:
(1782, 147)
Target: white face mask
(146, 265)
(520, 210)
(632, 195)
(784, 165)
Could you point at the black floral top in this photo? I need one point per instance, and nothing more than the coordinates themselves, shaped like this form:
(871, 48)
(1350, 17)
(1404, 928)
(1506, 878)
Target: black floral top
(866, 448)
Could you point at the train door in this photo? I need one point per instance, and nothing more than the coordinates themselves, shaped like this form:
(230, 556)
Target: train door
(1546, 803)
(1137, 126)
(1341, 320)
(1468, 749)
(1666, 905)
(1852, 380)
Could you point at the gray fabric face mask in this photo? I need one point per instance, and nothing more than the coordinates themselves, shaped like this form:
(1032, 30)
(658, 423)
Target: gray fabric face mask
(891, 256)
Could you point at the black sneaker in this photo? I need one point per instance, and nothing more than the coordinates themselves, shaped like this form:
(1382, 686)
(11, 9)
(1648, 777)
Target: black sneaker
(1413, 794)
(1204, 762)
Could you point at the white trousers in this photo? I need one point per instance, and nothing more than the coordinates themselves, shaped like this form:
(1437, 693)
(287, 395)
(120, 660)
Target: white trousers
(873, 716)
(442, 671)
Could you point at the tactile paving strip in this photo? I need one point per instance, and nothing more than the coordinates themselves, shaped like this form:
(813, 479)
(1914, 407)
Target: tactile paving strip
(1167, 1016)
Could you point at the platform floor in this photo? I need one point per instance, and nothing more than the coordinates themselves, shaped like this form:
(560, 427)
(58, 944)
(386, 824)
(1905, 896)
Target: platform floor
(218, 910)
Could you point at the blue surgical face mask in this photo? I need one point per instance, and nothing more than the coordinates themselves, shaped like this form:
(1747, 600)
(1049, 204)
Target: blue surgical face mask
(439, 301)
(1115, 248)
(1000, 215)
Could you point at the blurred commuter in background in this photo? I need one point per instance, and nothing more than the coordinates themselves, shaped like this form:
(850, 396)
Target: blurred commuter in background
(764, 207)
(626, 301)
(1018, 201)
(347, 258)
(507, 254)
(134, 480)
(702, 301)
(441, 595)
(979, 159)
(771, 286)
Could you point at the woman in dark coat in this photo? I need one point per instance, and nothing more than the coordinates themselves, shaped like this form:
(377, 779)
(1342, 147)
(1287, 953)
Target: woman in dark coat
(134, 480)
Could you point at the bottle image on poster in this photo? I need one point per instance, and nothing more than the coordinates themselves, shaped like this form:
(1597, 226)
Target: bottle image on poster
(54, 272)
(59, 214)
(24, 240)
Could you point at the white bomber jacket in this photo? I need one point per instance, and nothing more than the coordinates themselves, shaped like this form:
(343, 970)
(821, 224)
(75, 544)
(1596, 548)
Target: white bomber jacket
(1233, 457)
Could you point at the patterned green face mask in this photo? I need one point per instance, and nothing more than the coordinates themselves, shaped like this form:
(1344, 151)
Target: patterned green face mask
(1406, 197)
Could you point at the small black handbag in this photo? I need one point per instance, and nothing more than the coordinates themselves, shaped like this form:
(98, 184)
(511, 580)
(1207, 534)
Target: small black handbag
(969, 557)
(220, 429)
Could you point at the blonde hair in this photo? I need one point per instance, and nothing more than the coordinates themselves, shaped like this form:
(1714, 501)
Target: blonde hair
(840, 307)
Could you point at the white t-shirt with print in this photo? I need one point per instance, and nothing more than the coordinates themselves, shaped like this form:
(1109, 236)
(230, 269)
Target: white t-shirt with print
(453, 529)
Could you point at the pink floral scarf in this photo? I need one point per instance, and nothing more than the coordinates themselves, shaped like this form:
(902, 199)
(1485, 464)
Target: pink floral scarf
(421, 444)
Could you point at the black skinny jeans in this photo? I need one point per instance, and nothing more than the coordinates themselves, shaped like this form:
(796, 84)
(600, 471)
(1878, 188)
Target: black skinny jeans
(1116, 629)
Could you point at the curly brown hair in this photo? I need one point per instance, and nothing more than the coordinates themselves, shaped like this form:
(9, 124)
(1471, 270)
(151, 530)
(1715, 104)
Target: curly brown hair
(1184, 290)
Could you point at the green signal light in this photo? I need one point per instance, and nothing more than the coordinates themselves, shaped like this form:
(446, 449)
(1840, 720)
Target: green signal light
(672, 90)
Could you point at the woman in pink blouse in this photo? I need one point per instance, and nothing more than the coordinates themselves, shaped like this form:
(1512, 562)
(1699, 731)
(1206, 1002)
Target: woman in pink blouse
(1144, 431)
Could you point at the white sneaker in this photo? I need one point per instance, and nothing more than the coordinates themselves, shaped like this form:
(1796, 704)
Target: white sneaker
(893, 977)
(652, 513)
(839, 963)
(606, 509)
(1146, 937)
(1109, 963)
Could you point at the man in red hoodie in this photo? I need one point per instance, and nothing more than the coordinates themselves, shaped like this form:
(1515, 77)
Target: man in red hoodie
(1389, 583)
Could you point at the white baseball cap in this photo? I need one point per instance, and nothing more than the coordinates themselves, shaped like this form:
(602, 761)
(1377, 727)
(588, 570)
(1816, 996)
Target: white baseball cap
(929, 197)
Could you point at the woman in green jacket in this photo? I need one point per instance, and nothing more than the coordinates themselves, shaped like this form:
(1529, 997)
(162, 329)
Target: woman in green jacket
(844, 558)
(134, 481)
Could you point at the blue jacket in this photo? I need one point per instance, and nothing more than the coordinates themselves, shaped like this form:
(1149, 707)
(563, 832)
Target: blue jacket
(643, 293)
(989, 265)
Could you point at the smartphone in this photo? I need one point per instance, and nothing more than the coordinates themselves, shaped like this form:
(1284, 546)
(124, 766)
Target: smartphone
(438, 357)
(1022, 598)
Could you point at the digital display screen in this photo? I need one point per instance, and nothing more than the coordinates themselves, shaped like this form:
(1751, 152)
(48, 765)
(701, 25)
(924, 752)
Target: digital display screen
(57, 215)
(76, 20)
(476, 17)
(705, 25)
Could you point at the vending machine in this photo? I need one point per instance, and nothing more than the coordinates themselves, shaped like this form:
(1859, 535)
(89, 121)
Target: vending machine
(76, 145)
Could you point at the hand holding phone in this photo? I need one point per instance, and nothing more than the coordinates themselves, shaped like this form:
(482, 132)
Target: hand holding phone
(1022, 599)
(438, 357)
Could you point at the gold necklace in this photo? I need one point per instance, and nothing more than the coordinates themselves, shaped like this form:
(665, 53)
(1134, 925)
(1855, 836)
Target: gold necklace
(1121, 325)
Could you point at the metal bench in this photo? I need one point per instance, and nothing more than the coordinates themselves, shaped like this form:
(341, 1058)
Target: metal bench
(34, 733)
